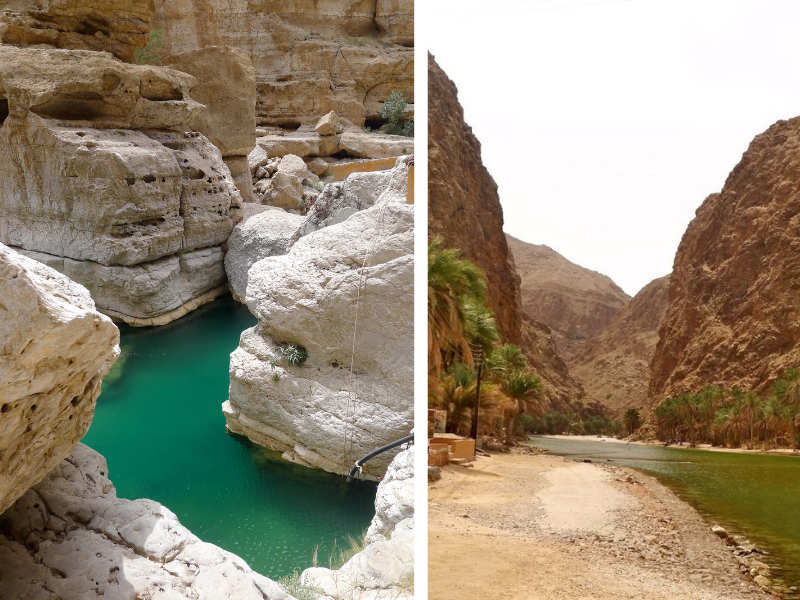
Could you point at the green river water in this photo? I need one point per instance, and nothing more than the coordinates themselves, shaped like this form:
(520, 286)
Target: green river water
(754, 495)
(159, 424)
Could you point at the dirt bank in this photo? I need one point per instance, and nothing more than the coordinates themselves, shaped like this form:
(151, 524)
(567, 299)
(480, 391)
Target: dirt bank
(540, 527)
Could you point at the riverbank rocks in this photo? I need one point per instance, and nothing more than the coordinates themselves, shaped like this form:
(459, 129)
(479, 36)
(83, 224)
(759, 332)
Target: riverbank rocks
(99, 179)
(70, 536)
(307, 300)
(310, 58)
(386, 565)
(55, 349)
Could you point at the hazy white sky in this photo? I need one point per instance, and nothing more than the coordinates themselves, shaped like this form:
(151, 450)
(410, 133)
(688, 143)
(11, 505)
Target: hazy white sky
(606, 123)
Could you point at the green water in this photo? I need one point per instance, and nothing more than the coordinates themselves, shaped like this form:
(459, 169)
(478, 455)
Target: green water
(754, 495)
(159, 424)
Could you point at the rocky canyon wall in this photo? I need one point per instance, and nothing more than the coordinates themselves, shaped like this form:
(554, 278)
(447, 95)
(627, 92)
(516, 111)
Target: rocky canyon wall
(733, 317)
(100, 180)
(463, 206)
(310, 57)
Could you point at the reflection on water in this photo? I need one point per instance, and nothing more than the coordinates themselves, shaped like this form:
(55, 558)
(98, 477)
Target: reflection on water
(754, 495)
(159, 424)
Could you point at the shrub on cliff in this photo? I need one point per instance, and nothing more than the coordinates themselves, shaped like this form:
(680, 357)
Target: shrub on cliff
(392, 111)
(149, 54)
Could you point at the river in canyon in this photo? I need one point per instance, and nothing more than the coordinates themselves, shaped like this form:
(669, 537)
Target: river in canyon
(160, 426)
(755, 495)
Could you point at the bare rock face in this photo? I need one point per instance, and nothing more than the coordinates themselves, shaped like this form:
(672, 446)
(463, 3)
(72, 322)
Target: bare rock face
(69, 536)
(316, 412)
(464, 207)
(99, 180)
(732, 318)
(614, 365)
(227, 87)
(116, 26)
(310, 57)
(574, 302)
(55, 349)
(384, 568)
(561, 392)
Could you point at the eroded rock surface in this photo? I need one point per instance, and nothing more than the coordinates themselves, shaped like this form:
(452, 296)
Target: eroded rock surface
(99, 179)
(316, 412)
(116, 26)
(732, 317)
(385, 568)
(55, 349)
(69, 537)
(310, 57)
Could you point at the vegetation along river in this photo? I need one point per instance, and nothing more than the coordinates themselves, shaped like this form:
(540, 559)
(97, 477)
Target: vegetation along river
(159, 424)
(755, 495)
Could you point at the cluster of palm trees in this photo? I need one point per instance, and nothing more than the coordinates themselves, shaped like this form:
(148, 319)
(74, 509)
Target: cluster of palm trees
(734, 418)
(466, 358)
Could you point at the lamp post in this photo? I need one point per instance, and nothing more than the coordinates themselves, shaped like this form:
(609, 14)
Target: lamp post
(477, 355)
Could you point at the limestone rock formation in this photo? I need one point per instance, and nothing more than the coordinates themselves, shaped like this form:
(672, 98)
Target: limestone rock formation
(116, 26)
(385, 567)
(55, 349)
(226, 86)
(307, 298)
(574, 302)
(328, 124)
(310, 57)
(273, 231)
(614, 365)
(268, 233)
(733, 317)
(69, 537)
(98, 179)
(463, 205)
(561, 391)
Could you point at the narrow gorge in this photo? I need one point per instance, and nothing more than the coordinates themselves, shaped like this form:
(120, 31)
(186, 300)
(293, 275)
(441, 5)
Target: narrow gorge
(155, 159)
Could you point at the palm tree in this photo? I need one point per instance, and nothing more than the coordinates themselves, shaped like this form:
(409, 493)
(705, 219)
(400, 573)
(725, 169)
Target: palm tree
(454, 284)
(518, 385)
(750, 406)
(792, 379)
(632, 420)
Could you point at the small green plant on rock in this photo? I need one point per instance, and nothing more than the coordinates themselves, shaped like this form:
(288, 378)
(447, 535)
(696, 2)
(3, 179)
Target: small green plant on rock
(276, 377)
(392, 111)
(293, 585)
(356, 41)
(149, 55)
(294, 355)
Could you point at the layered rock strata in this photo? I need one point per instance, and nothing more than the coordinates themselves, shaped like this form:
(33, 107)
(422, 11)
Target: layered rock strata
(733, 317)
(385, 568)
(574, 302)
(69, 536)
(309, 57)
(463, 206)
(614, 365)
(99, 180)
(115, 26)
(312, 298)
(55, 349)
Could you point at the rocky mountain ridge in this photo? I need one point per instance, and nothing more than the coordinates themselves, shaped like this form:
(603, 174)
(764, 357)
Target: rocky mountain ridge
(574, 302)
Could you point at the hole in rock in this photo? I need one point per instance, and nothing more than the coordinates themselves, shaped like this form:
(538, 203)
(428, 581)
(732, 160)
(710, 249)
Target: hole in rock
(81, 134)
(81, 106)
(6, 408)
(3, 110)
(290, 126)
(149, 178)
(374, 124)
(130, 180)
(33, 408)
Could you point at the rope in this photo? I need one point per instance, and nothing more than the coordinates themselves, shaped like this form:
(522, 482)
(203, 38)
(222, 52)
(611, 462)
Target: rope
(352, 385)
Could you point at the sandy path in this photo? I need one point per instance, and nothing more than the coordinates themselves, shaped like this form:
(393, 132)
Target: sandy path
(519, 527)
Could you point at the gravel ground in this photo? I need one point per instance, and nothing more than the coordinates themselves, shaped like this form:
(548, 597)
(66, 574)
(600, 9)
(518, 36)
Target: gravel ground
(539, 527)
